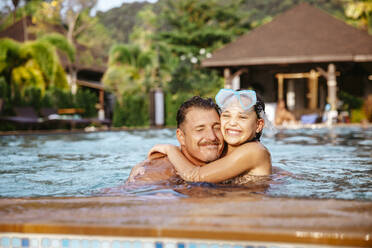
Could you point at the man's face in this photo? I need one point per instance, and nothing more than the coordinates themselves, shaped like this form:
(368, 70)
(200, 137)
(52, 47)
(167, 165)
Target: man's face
(200, 136)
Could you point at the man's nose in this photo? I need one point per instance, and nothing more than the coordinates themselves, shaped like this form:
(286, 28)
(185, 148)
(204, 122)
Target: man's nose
(211, 135)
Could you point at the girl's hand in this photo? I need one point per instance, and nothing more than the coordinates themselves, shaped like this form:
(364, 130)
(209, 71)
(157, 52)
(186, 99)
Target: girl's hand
(159, 150)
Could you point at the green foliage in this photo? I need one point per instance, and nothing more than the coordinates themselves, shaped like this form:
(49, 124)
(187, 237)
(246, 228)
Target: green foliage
(61, 43)
(32, 64)
(5, 96)
(118, 79)
(95, 37)
(349, 101)
(118, 115)
(133, 112)
(188, 77)
(86, 100)
(195, 24)
(3, 88)
(357, 116)
(44, 55)
(60, 98)
(32, 97)
(188, 80)
(128, 69)
(29, 9)
(124, 19)
(360, 13)
(126, 54)
(27, 75)
(172, 103)
(121, 20)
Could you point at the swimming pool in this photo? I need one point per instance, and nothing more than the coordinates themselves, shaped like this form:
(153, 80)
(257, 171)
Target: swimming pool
(51, 194)
(325, 163)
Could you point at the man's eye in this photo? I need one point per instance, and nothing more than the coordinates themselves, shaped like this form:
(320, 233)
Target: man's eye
(225, 115)
(243, 117)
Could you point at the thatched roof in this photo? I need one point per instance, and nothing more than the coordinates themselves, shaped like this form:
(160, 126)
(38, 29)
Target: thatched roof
(303, 34)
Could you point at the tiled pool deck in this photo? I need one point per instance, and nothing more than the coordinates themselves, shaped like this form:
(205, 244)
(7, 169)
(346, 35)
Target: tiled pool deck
(215, 222)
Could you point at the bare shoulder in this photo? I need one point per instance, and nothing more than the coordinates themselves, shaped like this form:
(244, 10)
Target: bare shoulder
(253, 149)
(257, 156)
(151, 171)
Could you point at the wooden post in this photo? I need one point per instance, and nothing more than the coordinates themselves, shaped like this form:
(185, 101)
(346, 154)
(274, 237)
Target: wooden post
(227, 76)
(313, 90)
(280, 86)
(101, 111)
(101, 98)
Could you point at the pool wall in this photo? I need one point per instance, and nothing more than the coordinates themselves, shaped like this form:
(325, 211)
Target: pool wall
(215, 222)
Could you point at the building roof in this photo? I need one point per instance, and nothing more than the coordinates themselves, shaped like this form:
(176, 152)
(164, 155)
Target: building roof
(17, 31)
(303, 34)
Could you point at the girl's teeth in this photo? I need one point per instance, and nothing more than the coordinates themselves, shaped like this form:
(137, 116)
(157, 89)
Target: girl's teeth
(233, 132)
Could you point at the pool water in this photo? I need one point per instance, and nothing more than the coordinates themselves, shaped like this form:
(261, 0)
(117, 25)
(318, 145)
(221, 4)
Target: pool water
(322, 163)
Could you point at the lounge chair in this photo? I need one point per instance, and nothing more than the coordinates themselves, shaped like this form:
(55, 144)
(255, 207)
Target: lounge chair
(26, 117)
(61, 118)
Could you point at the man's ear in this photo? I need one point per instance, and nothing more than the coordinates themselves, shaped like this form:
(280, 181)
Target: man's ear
(260, 125)
(180, 137)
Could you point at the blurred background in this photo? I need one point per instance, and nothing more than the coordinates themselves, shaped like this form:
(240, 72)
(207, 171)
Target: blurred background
(94, 63)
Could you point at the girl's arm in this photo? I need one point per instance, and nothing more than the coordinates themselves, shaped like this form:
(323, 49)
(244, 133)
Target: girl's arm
(243, 158)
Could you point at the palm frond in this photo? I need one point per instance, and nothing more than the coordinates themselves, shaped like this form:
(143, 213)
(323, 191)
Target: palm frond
(61, 43)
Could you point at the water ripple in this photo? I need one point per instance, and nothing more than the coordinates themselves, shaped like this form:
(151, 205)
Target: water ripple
(324, 163)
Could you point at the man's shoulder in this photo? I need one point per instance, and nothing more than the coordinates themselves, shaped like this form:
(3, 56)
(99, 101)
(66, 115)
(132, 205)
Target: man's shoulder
(151, 171)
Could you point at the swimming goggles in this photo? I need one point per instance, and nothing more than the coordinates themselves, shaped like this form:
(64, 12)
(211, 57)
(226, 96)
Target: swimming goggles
(246, 98)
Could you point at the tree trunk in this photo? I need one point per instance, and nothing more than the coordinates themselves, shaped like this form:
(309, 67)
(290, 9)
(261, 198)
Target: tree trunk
(15, 4)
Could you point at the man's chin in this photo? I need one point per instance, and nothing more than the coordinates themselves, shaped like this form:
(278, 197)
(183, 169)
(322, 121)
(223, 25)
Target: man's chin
(210, 157)
(211, 154)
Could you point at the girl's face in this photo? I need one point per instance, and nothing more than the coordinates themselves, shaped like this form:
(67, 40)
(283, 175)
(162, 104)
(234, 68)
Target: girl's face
(239, 126)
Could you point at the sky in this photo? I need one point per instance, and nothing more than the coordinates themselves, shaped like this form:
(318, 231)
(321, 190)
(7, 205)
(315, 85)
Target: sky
(104, 5)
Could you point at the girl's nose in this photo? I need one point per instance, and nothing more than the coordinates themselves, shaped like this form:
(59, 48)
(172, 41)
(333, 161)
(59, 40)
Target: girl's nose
(233, 121)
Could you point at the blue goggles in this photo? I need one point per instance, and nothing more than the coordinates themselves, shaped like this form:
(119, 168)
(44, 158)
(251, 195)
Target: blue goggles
(246, 98)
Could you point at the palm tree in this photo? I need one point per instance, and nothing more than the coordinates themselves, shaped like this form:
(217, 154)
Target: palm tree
(128, 68)
(34, 63)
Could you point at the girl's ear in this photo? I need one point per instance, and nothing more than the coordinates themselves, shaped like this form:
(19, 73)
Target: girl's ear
(180, 137)
(260, 125)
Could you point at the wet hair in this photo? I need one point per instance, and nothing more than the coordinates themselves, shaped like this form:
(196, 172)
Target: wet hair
(259, 107)
(195, 102)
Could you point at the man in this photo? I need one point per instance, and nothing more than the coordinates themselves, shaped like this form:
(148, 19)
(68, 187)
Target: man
(199, 134)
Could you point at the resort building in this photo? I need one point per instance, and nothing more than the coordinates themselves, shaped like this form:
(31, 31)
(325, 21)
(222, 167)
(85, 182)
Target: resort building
(303, 56)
